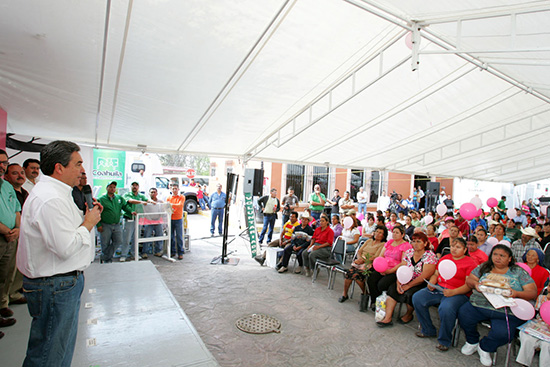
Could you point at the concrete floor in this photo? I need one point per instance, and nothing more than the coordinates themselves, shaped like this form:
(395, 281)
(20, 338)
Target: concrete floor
(316, 329)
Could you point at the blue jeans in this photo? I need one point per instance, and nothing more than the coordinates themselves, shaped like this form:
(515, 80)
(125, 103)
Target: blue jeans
(448, 312)
(127, 248)
(53, 304)
(217, 213)
(269, 221)
(469, 316)
(316, 215)
(202, 203)
(362, 208)
(149, 229)
(177, 239)
(285, 219)
(111, 239)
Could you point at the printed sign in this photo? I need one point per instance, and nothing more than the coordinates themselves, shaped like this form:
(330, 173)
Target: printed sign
(249, 214)
(108, 166)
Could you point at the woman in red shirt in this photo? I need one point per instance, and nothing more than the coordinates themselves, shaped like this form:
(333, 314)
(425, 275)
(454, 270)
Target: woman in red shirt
(453, 294)
(534, 258)
(321, 245)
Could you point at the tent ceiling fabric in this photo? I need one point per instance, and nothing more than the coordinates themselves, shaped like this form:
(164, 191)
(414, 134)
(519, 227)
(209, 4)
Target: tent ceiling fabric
(322, 82)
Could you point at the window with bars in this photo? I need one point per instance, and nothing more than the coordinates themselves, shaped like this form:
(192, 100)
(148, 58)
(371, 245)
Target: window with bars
(356, 181)
(321, 177)
(375, 184)
(295, 178)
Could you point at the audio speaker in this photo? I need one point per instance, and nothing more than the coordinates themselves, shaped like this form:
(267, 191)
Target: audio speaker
(432, 188)
(253, 181)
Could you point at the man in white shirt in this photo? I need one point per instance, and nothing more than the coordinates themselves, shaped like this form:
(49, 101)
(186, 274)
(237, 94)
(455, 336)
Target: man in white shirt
(383, 202)
(269, 205)
(362, 198)
(32, 170)
(55, 247)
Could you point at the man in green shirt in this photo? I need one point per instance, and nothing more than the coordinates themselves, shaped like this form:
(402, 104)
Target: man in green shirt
(10, 219)
(109, 226)
(133, 198)
(502, 205)
(317, 202)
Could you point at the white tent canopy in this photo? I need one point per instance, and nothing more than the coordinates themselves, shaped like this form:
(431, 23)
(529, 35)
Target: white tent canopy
(322, 82)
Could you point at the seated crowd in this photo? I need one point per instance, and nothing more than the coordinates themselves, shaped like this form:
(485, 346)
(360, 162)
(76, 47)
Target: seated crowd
(512, 253)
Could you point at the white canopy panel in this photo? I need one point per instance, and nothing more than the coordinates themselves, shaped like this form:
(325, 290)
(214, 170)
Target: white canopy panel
(323, 82)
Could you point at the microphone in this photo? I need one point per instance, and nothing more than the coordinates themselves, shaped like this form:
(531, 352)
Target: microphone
(87, 191)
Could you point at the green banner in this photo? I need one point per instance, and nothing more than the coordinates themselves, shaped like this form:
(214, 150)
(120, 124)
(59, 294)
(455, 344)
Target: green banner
(249, 214)
(109, 166)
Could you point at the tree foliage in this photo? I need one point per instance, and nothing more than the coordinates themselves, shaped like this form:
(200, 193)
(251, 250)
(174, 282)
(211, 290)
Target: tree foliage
(200, 163)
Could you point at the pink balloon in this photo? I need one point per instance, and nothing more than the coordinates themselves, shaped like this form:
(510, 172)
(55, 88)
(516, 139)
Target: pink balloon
(492, 241)
(492, 202)
(477, 202)
(479, 212)
(404, 274)
(468, 211)
(545, 312)
(348, 222)
(525, 267)
(408, 40)
(447, 269)
(523, 309)
(441, 209)
(380, 264)
(511, 213)
(360, 216)
(428, 219)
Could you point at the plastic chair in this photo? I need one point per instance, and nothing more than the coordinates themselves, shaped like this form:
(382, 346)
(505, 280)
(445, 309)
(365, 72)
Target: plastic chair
(338, 248)
(341, 268)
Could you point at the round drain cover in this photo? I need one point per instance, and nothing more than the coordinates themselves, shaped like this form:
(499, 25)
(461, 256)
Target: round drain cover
(258, 324)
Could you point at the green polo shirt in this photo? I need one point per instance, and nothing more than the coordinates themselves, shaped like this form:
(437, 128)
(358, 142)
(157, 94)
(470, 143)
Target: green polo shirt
(112, 209)
(130, 196)
(9, 205)
(315, 197)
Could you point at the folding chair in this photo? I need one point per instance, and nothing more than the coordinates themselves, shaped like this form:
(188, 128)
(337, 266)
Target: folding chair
(341, 268)
(338, 248)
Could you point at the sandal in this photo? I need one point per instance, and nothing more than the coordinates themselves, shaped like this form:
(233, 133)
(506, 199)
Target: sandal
(442, 348)
(400, 321)
(343, 299)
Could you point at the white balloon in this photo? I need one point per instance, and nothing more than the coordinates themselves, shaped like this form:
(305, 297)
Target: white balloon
(404, 274)
(511, 213)
(441, 209)
(428, 219)
(477, 202)
(492, 241)
(447, 269)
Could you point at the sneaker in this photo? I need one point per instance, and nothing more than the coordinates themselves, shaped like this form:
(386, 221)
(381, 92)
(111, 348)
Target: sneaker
(283, 269)
(158, 254)
(484, 357)
(469, 349)
(307, 272)
(144, 256)
(122, 259)
(297, 271)
(343, 299)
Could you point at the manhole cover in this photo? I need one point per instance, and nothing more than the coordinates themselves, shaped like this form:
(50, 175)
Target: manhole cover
(258, 324)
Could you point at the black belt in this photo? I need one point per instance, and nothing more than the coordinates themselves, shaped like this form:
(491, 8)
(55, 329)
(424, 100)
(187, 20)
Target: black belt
(73, 273)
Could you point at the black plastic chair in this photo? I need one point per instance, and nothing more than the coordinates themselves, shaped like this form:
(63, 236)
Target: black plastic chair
(338, 248)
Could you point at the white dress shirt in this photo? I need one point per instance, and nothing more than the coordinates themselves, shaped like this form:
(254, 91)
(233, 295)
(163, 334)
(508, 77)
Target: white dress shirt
(52, 240)
(28, 185)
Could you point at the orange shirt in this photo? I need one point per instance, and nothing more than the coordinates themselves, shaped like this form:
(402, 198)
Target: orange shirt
(177, 204)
